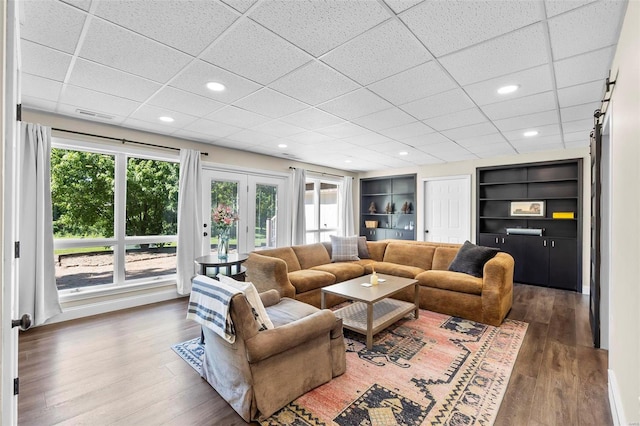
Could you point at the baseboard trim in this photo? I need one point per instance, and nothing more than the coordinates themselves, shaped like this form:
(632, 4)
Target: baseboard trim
(101, 307)
(615, 402)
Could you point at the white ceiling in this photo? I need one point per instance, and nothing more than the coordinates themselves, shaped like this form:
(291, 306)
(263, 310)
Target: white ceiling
(345, 83)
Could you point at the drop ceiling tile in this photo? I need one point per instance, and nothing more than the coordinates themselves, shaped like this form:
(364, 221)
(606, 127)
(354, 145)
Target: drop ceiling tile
(579, 112)
(412, 84)
(180, 100)
(516, 51)
(440, 104)
(542, 141)
(475, 143)
(578, 125)
(310, 138)
(147, 126)
(312, 119)
(367, 139)
(200, 23)
(424, 140)
(314, 83)
(41, 88)
(410, 130)
(82, 4)
(30, 102)
(531, 81)
(250, 50)
(385, 119)
(318, 27)
(343, 130)
(96, 101)
(457, 156)
(43, 61)
(270, 103)
(470, 131)
(279, 129)
(583, 143)
(195, 77)
(252, 137)
(576, 137)
(552, 146)
(389, 147)
(52, 24)
(401, 5)
(237, 117)
(556, 7)
(587, 28)
(193, 136)
(543, 131)
(211, 128)
(151, 114)
(109, 80)
(447, 26)
(462, 118)
(584, 68)
(240, 5)
(527, 121)
(152, 59)
(521, 106)
(381, 52)
(581, 94)
(495, 150)
(355, 104)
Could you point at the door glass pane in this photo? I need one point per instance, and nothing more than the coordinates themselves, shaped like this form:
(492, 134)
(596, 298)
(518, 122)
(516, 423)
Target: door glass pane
(224, 193)
(266, 231)
(328, 206)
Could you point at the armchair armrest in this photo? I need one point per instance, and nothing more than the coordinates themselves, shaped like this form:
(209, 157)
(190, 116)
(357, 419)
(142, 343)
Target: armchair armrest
(277, 340)
(270, 297)
(266, 273)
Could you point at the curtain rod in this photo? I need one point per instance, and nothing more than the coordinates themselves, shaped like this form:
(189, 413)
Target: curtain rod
(119, 139)
(320, 173)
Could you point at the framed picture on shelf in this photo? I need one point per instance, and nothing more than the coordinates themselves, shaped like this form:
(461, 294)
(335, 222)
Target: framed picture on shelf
(527, 208)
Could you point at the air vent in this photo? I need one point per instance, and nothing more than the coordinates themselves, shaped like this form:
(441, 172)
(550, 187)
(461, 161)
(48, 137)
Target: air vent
(94, 114)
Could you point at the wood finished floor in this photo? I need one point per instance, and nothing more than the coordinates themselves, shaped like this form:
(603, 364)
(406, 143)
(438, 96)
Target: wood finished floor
(119, 369)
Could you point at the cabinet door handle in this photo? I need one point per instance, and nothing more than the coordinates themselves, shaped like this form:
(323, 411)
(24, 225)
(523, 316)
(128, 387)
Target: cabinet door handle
(545, 243)
(553, 244)
(502, 240)
(496, 240)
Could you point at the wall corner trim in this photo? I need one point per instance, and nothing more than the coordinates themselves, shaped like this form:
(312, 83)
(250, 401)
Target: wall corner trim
(615, 401)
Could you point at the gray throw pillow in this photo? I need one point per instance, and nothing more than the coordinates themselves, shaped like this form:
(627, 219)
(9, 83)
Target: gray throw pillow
(471, 259)
(344, 249)
(363, 250)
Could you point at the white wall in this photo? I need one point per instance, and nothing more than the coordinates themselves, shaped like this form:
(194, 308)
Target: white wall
(624, 319)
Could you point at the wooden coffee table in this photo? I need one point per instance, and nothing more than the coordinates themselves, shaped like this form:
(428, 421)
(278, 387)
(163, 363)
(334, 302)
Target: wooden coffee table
(373, 310)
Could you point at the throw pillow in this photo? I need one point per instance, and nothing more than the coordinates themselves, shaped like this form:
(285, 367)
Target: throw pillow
(363, 250)
(471, 259)
(250, 292)
(344, 249)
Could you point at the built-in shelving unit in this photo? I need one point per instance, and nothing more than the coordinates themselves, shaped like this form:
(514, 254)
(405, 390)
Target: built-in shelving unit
(551, 258)
(389, 195)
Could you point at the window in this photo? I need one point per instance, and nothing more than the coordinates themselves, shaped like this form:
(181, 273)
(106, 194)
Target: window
(322, 209)
(114, 217)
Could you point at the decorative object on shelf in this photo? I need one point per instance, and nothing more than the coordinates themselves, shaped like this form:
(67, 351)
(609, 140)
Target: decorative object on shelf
(223, 218)
(406, 207)
(371, 223)
(389, 208)
(527, 208)
(372, 208)
(564, 215)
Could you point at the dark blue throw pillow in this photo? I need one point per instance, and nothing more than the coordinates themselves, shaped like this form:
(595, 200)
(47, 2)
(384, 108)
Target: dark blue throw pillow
(471, 259)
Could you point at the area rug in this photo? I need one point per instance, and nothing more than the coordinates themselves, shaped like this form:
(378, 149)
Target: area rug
(431, 371)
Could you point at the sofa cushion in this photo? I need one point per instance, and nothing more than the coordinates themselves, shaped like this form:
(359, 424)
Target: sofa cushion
(289, 310)
(309, 279)
(376, 249)
(342, 270)
(410, 255)
(471, 259)
(344, 249)
(310, 255)
(285, 253)
(393, 269)
(443, 257)
(454, 281)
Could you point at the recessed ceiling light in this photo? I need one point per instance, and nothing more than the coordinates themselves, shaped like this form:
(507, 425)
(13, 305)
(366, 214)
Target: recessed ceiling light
(166, 119)
(403, 153)
(508, 89)
(530, 133)
(215, 86)
(282, 145)
(347, 161)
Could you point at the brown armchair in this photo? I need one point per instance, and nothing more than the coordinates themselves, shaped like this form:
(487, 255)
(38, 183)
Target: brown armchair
(262, 371)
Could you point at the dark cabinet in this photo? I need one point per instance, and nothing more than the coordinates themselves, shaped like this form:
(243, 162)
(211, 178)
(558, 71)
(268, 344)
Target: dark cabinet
(553, 258)
(387, 208)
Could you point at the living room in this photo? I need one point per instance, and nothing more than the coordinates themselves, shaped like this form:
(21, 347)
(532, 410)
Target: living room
(259, 158)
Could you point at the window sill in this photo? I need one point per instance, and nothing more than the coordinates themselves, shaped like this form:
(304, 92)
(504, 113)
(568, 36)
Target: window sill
(83, 293)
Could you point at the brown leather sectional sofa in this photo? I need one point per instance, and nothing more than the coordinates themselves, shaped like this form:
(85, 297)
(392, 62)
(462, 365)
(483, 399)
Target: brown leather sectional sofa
(300, 272)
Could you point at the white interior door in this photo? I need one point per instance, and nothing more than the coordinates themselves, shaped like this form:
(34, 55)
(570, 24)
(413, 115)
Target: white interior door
(447, 209)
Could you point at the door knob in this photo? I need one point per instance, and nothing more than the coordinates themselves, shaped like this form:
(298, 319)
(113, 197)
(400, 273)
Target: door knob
(24, 322)
(204, 234)
(426, 231)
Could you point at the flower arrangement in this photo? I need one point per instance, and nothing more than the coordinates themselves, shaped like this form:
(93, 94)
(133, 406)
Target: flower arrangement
(224, 217)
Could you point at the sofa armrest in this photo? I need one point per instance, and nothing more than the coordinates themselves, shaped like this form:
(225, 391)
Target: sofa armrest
(280, 339)
(497, 288)
(270, 297)
(266, 273)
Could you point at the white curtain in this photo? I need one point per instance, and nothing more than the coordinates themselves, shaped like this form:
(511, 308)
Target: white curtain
(346, 196)
(299, 230)
(190, 223)
(38, 294)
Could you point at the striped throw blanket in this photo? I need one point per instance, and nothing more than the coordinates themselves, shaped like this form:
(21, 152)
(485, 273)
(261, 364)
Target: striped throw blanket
(209, 306)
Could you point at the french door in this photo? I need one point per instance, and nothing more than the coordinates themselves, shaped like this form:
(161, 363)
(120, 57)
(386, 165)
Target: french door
(259, 202)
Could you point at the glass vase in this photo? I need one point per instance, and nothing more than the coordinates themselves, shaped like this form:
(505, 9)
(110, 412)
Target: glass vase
(223, 244)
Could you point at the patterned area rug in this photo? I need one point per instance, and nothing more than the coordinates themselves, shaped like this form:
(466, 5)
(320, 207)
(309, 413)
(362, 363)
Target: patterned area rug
(438, 370)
